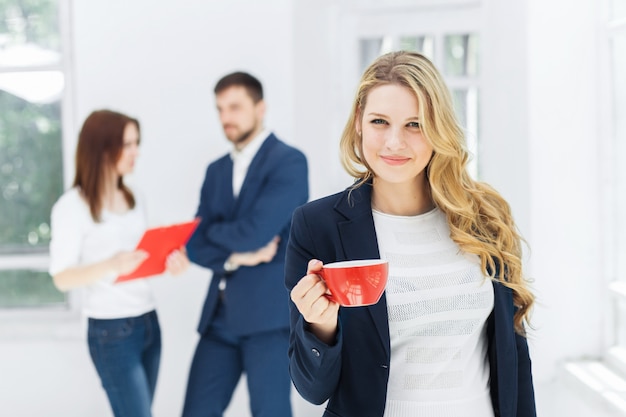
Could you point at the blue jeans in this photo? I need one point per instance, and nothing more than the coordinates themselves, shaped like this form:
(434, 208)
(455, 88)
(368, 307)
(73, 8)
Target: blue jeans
(126, 353)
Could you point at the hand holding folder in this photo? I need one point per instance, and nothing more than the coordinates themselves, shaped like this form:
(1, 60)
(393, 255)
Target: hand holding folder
(159, 242)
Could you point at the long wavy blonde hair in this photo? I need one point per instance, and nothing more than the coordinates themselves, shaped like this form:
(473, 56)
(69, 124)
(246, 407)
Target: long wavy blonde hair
(480, 219)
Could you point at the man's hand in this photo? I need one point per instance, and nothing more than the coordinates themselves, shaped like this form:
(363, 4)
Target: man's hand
(177, 262)
(262, 255)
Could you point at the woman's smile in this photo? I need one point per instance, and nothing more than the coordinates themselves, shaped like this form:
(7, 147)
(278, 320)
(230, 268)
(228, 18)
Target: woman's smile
(395, 159)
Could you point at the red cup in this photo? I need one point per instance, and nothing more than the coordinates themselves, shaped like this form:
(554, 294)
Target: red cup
(355, 283)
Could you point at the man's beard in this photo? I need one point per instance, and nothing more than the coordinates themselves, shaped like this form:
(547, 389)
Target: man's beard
(244, 136)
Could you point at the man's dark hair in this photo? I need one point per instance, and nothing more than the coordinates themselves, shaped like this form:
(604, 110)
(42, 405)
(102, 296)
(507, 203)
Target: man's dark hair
(243, 79)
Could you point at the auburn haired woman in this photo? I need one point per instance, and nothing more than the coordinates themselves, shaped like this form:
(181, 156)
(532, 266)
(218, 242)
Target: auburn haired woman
(95, 227)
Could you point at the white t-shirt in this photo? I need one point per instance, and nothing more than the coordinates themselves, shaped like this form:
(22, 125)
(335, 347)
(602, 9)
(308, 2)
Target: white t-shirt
(438, 301)
(78, 240)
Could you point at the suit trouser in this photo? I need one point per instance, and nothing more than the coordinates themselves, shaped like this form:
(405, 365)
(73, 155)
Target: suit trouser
(220, 359)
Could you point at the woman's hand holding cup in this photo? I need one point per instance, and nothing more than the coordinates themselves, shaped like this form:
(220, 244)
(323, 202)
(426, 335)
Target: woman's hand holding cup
(309, 296)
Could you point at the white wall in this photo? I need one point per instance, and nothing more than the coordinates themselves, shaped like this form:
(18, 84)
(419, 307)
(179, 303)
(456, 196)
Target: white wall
(159, 62)
(565, 183)
(319, 118)
(504, 152)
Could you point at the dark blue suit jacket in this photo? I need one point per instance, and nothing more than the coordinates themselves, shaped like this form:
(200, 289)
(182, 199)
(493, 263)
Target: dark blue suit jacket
(353, 373)
(276, 183)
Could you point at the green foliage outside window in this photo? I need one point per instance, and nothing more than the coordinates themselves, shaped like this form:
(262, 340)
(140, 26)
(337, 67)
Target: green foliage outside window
(30, 183)
(31, 166)
(30, 22)
(23, 288)
(30, 171)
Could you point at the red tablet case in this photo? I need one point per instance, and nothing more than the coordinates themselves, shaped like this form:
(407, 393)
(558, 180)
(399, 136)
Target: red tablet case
(159, 242)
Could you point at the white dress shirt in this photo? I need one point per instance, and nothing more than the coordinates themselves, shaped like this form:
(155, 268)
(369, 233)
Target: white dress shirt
(242, 158)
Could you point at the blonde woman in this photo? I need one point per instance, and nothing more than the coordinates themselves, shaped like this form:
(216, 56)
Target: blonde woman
(447, 338)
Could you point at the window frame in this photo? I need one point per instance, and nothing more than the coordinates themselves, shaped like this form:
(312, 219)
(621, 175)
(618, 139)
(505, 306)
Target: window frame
(37, 259)
(610, 189)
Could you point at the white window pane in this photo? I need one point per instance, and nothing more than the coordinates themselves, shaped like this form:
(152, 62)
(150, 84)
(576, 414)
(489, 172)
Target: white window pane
(29, 33)
(373, 48)
(461, 55)
(466, 107)
(425, 45)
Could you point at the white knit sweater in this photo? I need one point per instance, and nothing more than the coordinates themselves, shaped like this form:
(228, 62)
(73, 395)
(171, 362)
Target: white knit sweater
(438, 300)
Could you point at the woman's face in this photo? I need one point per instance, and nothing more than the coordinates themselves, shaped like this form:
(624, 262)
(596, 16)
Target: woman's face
(130, 150)
(393, 144)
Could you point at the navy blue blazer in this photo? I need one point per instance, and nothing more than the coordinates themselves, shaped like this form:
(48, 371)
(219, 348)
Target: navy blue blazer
(275, 184)
(353, 373)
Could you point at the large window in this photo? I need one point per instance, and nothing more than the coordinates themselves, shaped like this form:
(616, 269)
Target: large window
(32, 82)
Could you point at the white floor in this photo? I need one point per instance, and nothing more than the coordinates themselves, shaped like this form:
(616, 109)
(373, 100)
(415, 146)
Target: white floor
(554, 399)
(559, 398)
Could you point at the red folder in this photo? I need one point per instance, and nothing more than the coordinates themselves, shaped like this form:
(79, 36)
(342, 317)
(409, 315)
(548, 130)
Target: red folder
(159, 242)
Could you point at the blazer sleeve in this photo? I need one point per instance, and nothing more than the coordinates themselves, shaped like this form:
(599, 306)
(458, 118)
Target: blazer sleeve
(200, 250)
(314, 366)
(522, 388)
(526, 393)
(285, 188)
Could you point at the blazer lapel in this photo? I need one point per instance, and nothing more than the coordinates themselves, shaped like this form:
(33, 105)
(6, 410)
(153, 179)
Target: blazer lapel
(224, 189)
(358, 237)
